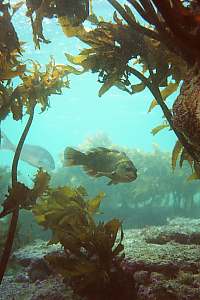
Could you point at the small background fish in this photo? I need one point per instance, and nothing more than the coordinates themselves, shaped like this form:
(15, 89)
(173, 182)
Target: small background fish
(101, 161)
(32, 154)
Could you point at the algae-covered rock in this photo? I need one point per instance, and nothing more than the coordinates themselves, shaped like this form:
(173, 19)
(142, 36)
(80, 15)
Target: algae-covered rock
(48, 289)
(165, 268)
(160, 271)
(34, 251)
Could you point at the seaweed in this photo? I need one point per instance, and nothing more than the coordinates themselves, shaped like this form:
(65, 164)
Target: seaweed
(35, 87)
(19, 195)
(38, 86)
(115, 49)
(76, 12)
(156, 55)
(114, 43)
(92, 258)
(159, 191)
(10, 65)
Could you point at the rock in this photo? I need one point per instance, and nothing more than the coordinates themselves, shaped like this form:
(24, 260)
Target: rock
(51, 295)
(51, 288)
(38, 249)
(168, 258)
(32, 257)
(22, 277)
(167, 271)
(38, 270)
(157, 277)
(171, 255)
(141, 277)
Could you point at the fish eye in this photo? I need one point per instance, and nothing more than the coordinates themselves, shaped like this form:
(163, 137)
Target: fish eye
(128, 169)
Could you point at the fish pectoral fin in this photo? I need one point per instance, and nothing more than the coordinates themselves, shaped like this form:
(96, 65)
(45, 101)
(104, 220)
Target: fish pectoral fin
(99, 174)
(95, 173)
(110, 182)
(89, 171)
(108, 174)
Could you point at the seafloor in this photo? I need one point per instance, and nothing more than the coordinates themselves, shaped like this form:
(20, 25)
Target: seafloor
(165, 260)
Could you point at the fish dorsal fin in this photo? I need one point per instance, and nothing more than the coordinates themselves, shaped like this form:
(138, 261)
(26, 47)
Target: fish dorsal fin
(95, 149)
(103, 149)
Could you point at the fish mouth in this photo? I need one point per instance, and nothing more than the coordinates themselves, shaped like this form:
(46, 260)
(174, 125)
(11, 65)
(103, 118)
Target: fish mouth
(131, 178)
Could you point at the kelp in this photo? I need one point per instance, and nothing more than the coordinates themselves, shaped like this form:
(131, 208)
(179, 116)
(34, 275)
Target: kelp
(5, 101)
(115, 48)
(19, 195)
(93, 262)
(176, 59)
(112, 46)
(165, 93)
(63, 205)
(175, 153)
(10, 51)
(8, 37)
(76, 13)
(68, 29)
(10, 47)
(92, 254)
(37, 86)
(182, 20)
(180, 153)
(158, 128)
(40, 183)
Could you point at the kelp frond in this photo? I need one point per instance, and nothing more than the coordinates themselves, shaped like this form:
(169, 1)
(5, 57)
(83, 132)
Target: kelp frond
(20, 196)
(76, 12)
(37, 86)
(92, 254)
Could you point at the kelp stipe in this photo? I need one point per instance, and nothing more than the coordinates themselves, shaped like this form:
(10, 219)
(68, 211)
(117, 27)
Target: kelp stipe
(14, 204)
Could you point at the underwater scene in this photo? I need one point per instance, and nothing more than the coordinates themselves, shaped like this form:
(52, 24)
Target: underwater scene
(99, 150)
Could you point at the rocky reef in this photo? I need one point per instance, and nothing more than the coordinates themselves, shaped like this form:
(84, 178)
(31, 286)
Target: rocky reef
(164, 262)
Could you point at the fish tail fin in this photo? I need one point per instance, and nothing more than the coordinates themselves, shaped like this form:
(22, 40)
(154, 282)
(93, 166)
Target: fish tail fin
(5, 142)
(73, 157)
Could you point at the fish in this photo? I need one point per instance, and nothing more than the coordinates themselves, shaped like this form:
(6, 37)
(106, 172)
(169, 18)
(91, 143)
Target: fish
(34, 155)
(101, 161)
